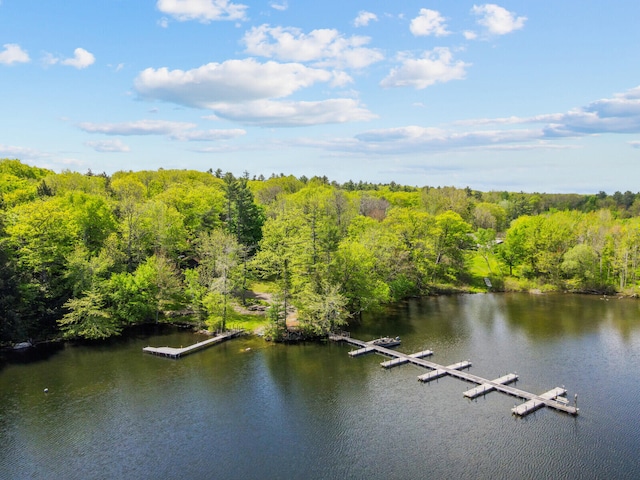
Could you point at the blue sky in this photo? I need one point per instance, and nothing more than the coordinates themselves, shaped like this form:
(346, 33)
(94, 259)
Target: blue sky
(517, 95)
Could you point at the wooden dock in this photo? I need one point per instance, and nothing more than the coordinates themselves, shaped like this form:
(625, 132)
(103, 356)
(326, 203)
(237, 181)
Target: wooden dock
(441, 372)
(172, 352)
(490, 386)
(401, 361)
(533, 401)
(361, 351)
(534, 404)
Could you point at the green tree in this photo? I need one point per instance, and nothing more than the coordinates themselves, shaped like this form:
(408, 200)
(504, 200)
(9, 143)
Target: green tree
(580, 263)
(443, 199)
(324, 311)
(411, 251)
(87, 318)
(131, 193)
(353, 269)
(218, 255)
(451, 240)
(243, 217)
(164, 229)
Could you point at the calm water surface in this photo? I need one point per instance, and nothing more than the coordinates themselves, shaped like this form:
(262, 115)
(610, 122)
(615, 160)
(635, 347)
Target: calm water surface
(249, 409)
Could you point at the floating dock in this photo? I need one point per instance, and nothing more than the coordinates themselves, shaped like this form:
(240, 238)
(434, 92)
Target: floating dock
(441, 372)
(172, 352)
(534, 404)
(361, 351)
(490, 386)
(401, 361)
(552, 399)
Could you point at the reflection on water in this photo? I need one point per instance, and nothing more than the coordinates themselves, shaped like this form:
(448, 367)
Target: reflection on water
(251, 409)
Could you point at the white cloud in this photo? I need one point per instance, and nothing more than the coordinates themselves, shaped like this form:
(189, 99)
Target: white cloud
(323, 47)
(140, 127)
(23, 153)
(208, 135)
(280, 6)
(13, 53)
(513, 120)
(428, 22)
(429, 139)
(204, 11)
(163, 22)
(81, 59)
(232, 81)
(469, 35)
(292, 114)
(175, 130)
(231, 91)
(435, 66)
(116, 68)
(498, 20)
(108, 146)
(364, 18)
(619, 114)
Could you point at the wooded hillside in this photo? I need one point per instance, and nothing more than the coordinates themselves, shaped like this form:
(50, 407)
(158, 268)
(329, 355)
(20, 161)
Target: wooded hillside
(86, 255)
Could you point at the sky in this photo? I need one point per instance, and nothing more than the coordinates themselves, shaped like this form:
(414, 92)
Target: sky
(534, 96)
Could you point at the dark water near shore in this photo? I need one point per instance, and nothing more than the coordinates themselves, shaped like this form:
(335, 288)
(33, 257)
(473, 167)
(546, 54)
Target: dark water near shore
(249, 409)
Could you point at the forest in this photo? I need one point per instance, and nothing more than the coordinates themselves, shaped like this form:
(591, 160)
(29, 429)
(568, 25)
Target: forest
(84, 256)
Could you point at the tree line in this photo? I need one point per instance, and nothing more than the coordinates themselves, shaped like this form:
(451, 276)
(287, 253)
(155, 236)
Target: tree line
(86, 255)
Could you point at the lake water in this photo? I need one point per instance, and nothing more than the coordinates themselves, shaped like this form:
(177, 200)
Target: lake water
(249, 409)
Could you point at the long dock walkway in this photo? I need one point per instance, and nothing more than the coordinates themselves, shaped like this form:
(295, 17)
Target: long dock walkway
(172, 352)
(533, 401)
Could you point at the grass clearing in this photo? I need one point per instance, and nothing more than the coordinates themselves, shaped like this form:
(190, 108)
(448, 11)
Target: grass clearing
(263, 287)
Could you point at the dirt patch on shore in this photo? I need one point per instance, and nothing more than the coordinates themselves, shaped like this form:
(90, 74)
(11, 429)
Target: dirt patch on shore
(258, 304)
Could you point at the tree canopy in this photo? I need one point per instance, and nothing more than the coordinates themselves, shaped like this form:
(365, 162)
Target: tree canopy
(85, 255)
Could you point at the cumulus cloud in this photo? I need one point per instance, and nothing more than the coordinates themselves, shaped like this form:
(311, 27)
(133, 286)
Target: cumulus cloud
(204, 11)
(364, 18)
(435, 66)
(231, 91)
(81, 59)
(619, 114)
(323, 47)
(13, 53)
(232, 81)
(497, 20)
(428, 22)
(108, 146)
(184, 131)
(268, 113)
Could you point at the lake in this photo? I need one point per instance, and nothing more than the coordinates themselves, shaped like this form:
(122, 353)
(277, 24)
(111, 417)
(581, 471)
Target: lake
(249, 409)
